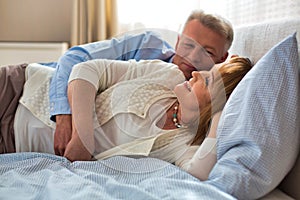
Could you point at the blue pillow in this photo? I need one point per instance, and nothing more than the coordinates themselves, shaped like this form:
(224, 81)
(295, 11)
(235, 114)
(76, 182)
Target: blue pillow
(258, 132)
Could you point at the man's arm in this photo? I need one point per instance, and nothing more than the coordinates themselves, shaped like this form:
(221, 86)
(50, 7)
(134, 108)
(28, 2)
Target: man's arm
(62, 134)
(59, 106)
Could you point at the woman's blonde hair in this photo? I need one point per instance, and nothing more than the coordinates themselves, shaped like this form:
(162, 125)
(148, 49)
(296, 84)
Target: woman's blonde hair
(214, 22)
(230, 74)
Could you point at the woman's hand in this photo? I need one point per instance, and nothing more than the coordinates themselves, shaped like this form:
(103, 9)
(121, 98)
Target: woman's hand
(76, 151)
(81, 95)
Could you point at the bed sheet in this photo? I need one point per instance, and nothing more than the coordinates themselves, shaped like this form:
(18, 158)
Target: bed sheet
(45, 176)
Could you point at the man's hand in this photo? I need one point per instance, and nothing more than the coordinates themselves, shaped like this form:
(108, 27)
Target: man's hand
(63, 133)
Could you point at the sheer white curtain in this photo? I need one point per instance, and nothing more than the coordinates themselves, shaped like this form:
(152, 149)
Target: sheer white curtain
(161, 14)
(170, 14)
(252, 11)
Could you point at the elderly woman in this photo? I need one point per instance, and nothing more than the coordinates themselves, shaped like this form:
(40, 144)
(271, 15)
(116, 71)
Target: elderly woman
(130, 108)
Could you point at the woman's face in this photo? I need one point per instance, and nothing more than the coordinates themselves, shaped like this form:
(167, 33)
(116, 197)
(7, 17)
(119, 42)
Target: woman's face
(194, 95)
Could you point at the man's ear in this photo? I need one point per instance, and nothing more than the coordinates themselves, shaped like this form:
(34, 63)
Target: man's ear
(224, 57)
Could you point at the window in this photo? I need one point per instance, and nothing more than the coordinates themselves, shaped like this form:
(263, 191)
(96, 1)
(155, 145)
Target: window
(171, 15)
(161, 14)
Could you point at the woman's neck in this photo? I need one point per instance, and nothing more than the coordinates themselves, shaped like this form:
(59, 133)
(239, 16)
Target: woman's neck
(170, 120)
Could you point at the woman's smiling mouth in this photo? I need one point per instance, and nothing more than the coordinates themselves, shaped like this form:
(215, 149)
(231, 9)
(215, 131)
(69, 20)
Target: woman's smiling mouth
(187, 85)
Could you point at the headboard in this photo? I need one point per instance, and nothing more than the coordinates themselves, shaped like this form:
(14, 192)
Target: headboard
(255, 40)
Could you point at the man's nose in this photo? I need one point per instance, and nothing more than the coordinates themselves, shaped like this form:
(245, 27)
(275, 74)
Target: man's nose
(199, 58)
(194, 55)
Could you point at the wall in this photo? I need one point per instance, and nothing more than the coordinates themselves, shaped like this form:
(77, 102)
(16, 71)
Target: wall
(35, 20)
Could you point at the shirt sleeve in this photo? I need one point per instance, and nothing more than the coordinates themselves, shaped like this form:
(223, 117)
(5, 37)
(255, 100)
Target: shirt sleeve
(101, 73)
(104, 73)
(199, 160)
(147, 45)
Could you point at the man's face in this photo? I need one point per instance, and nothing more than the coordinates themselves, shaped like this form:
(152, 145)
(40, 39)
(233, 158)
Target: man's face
(199, 48)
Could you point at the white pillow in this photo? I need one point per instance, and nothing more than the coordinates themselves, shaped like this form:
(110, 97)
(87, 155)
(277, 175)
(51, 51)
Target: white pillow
(253, 41)
(258, 132)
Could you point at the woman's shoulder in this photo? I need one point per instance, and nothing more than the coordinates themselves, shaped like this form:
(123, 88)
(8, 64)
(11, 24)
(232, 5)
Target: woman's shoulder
(156, 65)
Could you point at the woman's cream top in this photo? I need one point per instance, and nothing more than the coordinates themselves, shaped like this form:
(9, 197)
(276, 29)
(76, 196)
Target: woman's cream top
(132, 97)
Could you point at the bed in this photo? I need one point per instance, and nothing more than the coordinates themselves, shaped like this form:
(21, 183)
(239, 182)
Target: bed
(258, 142)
